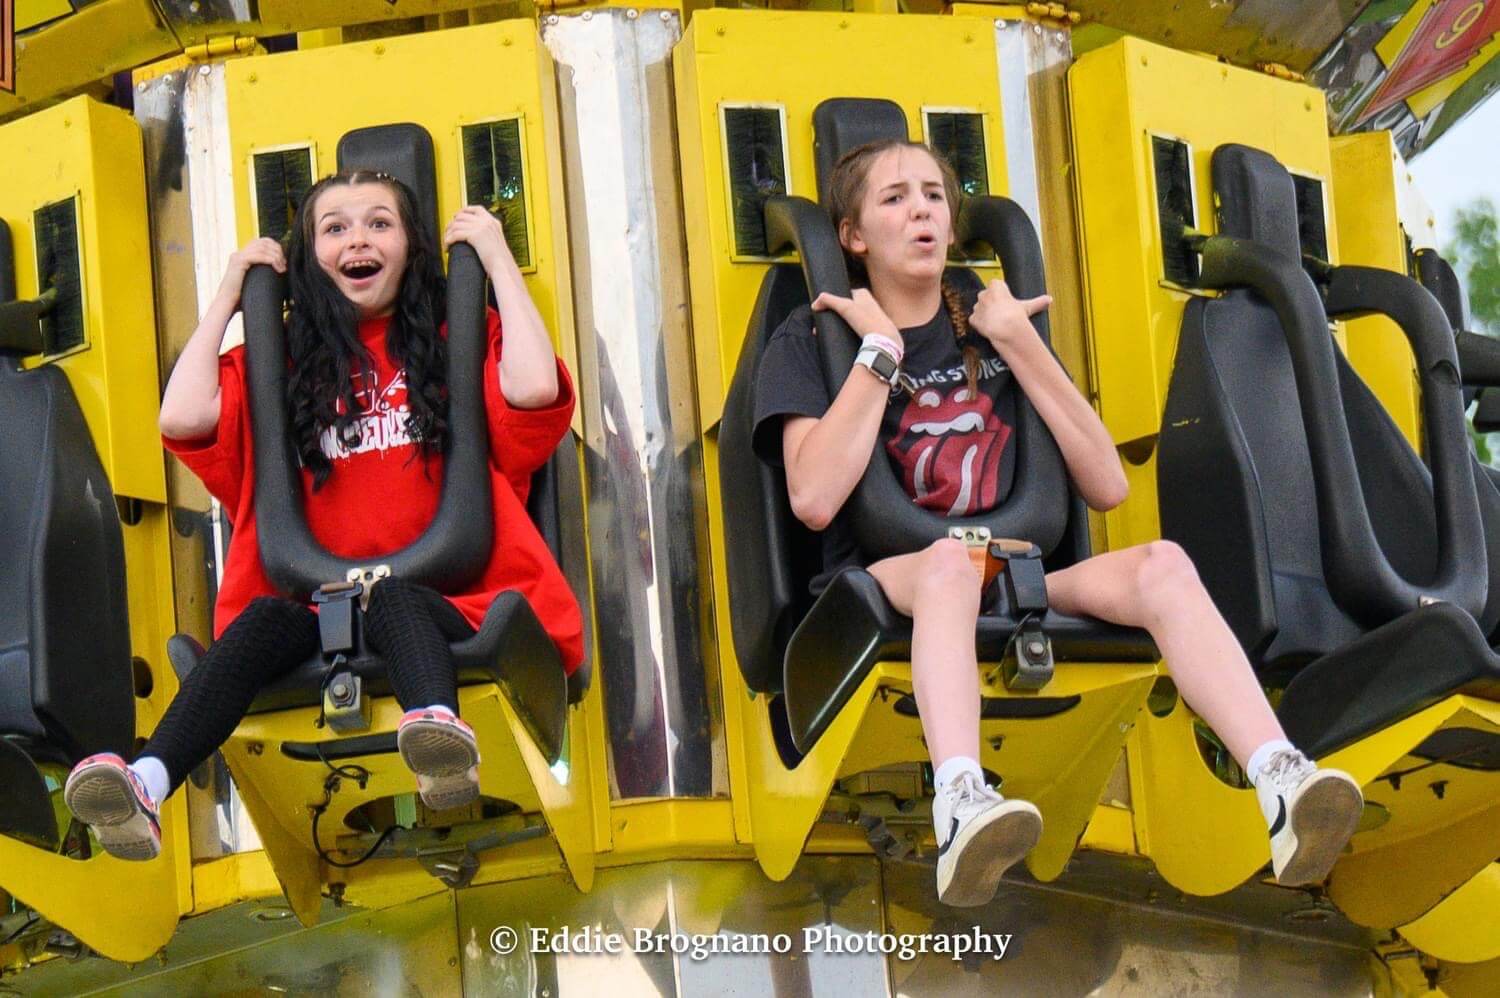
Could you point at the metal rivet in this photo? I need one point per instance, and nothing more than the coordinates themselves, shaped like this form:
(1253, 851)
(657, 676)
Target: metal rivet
(140, 88)
(1036, 29)
(588, 15)
(551, 18)
(194, 7)
(666, 15)
(632, 13)
(202, 70)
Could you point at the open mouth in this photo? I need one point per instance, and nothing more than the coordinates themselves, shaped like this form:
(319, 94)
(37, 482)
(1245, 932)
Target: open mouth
(926, 240)
(360, 270)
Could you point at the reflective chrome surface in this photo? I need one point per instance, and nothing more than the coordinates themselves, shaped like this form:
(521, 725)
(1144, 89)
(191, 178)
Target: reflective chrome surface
(647, 517)
(1109, 927)
(188, 186)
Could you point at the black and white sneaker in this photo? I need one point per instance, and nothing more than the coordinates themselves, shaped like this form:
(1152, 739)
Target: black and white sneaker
(1312, 813)
(980, 834)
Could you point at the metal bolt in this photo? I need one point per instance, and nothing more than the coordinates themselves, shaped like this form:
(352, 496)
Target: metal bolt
(340, 690)
(1035, 649)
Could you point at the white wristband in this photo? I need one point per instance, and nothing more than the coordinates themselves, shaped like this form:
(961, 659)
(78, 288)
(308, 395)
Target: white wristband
(884, 344)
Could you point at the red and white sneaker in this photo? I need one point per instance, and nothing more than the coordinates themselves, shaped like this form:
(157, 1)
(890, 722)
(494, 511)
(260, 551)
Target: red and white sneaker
(443, 753)
(105, 794)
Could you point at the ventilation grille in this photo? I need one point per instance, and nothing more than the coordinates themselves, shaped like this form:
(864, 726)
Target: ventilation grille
(282, 179)
(59, 271)
(1173, 164)
(494, 176)
(958, 136)
(755, 156)
(1312, 225)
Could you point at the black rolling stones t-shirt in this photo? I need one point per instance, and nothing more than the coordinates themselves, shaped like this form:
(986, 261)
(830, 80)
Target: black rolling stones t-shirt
(951, 448)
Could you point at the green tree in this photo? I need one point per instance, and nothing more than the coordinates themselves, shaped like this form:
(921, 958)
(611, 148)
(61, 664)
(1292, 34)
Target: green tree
(1475, 253)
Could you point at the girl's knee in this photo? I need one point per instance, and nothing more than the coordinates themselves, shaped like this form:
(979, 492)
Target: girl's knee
(946, 570)
(1165, 575)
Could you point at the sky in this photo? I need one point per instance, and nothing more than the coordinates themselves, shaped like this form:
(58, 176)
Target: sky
(1462, 165)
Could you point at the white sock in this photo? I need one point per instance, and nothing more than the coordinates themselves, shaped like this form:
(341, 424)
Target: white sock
(438, 708)
(1260, 756)
(153, 773)
(953, 768)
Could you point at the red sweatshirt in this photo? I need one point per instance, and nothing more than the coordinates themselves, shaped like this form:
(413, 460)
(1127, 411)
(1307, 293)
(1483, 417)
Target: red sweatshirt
(381, 494)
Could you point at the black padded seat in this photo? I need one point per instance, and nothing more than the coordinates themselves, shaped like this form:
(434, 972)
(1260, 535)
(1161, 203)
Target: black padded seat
(1389, 673)
(66, 688)
(816, 653)
(853, 614)
(1320, 533)
(510, 649)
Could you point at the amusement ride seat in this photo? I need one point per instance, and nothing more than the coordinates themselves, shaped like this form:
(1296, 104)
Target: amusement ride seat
(1356, 577)
(510, 651)
(812, 657)
(1345, 567)
(65, 666)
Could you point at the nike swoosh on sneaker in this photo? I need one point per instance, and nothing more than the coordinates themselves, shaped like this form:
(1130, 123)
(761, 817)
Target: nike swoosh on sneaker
(1280, 821)
(952, 834)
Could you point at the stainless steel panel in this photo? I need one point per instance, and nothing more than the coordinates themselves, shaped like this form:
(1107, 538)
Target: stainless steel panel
(184, 131)
(699, 909)
(647, 515)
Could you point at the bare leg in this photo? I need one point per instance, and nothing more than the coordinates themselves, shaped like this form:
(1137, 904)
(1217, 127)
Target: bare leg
(1155, 586)
(938, 588)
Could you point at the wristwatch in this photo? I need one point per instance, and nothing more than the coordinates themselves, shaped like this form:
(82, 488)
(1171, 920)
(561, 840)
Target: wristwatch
(880, 363)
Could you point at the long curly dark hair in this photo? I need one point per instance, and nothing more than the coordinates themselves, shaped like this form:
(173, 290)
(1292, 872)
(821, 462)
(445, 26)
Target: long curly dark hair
(323, 336)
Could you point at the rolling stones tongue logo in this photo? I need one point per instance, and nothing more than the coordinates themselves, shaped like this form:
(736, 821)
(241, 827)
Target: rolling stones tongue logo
(948, 450)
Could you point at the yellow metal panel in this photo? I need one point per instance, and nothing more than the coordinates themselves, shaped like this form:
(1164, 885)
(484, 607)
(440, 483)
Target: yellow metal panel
(85, 48)
(1463, 928)
(723, 58)
(83, 148)
(1121, 95)
(441, 81)
(1364, 192)
(30, 13)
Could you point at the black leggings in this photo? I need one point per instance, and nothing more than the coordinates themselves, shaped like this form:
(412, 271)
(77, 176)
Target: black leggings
(410, 626)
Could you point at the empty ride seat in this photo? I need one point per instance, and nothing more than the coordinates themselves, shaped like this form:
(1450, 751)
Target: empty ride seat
(65, 666)
(1352, 574)
(816, 653)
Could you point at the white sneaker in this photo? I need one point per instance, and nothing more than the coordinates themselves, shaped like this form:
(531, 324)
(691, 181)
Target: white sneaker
(980, 835)
(1311, 812)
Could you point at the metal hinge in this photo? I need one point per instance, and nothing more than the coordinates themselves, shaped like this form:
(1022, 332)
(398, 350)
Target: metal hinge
(220, 47)
(1053, 12)
(1280, 71)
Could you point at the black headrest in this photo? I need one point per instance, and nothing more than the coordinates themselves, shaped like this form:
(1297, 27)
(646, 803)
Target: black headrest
(1257, 200)
(844, 123)
(405, 152)
(1437, 276)
(20, 332)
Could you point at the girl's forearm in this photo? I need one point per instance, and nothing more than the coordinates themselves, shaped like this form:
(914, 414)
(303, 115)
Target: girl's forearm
(190, 404)
(826, 462)
(528, 365)
(1086, 447)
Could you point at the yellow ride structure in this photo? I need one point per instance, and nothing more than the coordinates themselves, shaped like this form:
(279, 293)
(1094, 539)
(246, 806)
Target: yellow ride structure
(722, 770)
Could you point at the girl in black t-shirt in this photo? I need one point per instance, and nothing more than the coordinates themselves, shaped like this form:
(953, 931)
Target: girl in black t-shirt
(892, 203)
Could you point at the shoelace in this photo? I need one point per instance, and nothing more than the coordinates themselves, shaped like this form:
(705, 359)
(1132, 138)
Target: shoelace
(971, 791)
(1283, 765)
